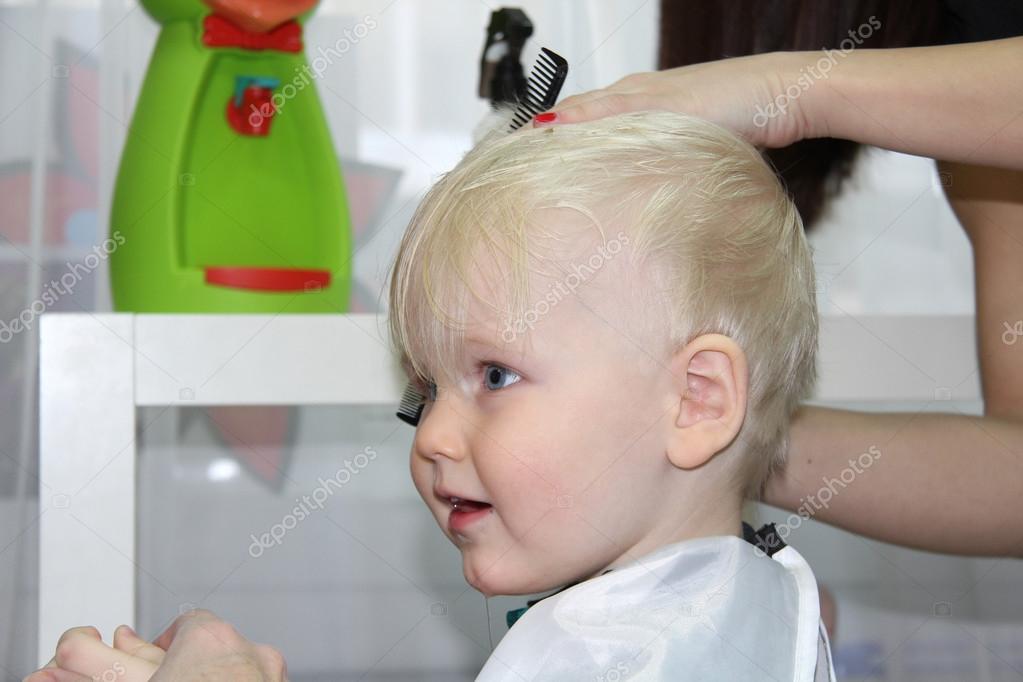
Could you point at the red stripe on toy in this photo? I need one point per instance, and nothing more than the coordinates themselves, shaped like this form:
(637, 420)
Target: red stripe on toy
(269, 279)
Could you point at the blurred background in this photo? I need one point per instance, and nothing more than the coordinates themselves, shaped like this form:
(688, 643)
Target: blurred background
(368, 588)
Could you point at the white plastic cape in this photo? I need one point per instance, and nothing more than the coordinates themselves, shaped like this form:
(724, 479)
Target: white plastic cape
(706, 609)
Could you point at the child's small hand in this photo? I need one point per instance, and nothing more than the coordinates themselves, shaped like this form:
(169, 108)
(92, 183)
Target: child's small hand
(201, 646)
(197, 646)
(81, 656)
(126, 640)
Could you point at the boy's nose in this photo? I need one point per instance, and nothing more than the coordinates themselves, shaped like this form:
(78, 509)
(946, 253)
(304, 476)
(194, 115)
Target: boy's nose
(260, 16)
(441, 432)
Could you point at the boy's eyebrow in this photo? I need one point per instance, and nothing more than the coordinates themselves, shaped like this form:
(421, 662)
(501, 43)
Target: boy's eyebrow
(516, 348)
(480, 339)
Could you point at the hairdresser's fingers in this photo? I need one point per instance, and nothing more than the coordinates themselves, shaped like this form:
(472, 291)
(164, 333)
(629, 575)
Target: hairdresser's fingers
(600, 104)
(758, 97)
(128, 641)
(87, 655)
(634, 92)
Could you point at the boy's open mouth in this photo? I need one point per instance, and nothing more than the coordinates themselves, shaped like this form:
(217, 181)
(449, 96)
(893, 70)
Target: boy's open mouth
(466, 513)
(457, 502)
(461, 505)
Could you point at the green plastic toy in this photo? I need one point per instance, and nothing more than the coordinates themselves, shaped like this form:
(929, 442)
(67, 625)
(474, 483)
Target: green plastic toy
(229, 196)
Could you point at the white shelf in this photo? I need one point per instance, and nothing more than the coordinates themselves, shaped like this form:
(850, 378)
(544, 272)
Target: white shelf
(22, 253)
(96, 369)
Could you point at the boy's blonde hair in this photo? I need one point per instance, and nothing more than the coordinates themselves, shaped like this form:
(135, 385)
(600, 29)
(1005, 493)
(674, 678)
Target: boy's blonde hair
(705, 216)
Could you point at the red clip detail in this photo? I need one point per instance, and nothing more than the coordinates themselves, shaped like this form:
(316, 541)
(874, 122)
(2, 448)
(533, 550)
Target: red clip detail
(268, 279)
(255, 113)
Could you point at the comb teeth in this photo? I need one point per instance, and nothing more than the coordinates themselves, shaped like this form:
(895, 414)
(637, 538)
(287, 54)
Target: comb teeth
(411, 407)
(542, 87)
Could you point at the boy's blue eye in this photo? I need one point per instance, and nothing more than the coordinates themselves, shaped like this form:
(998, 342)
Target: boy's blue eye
(494, 376)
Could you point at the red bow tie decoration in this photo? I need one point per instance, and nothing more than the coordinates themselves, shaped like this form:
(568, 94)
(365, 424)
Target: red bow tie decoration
(219, 32)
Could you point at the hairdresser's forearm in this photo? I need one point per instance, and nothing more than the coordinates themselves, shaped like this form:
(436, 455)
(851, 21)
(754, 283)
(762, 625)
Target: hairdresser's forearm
(945, 483)
(954, 102)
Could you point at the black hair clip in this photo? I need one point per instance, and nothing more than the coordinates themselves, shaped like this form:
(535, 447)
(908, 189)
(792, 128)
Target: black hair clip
(411, 407)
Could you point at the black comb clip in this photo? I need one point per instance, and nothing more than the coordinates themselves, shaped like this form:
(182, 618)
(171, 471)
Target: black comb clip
(501, 77)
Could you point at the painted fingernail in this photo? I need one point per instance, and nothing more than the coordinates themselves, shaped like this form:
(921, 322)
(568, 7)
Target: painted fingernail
(546, 117)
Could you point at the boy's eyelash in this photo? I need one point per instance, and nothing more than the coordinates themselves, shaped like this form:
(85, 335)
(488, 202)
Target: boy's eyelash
(428, 388)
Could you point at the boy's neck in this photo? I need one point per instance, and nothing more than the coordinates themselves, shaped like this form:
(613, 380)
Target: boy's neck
(709, 518)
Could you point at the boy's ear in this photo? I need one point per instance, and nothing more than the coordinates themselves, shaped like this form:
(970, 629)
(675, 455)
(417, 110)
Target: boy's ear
(711, 382)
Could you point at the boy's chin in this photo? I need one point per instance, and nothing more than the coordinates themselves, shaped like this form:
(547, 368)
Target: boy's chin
(491, 581)
(505, 590)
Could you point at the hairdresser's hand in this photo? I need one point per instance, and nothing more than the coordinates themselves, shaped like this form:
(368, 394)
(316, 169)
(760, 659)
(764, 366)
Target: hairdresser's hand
(747, 95)
(951, 102)
(197, 646)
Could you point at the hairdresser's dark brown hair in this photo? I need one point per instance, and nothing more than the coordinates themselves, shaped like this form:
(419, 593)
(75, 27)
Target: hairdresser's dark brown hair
(694, 31)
